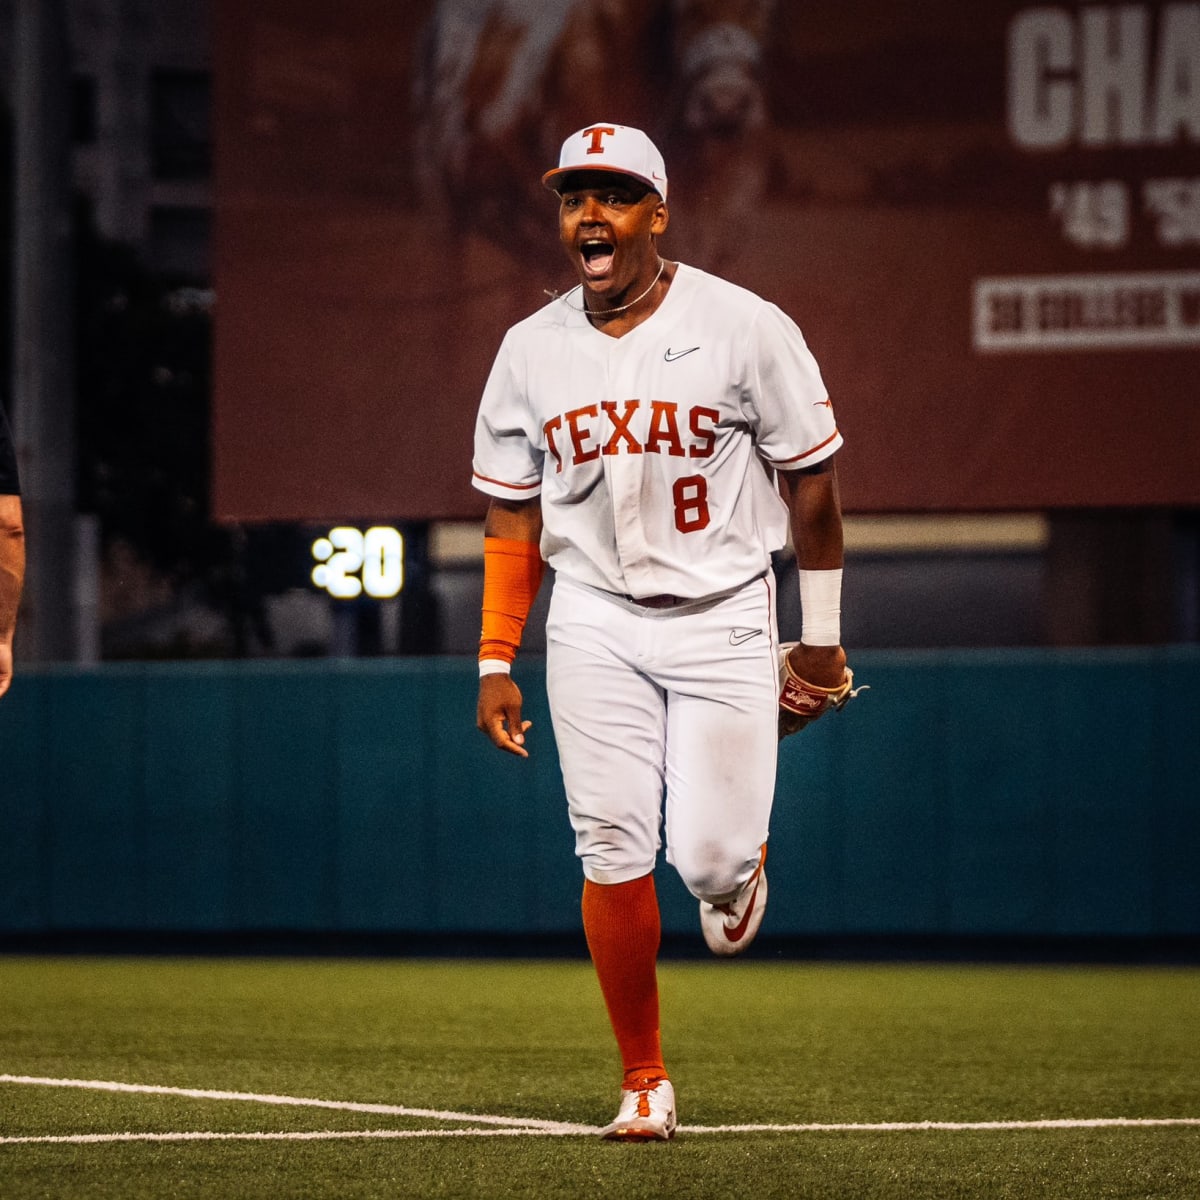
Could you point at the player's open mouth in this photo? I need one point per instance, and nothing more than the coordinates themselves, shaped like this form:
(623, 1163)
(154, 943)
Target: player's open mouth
(597, 258)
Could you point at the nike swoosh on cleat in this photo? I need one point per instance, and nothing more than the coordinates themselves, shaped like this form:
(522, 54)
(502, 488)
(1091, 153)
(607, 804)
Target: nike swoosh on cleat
(738, 636)
(672, 355)
(739, 930)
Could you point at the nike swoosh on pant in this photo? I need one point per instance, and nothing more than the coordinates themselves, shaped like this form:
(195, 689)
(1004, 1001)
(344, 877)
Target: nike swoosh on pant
(738, 636)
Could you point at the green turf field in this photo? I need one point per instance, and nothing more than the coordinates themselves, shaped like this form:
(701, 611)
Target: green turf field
(480, 1071)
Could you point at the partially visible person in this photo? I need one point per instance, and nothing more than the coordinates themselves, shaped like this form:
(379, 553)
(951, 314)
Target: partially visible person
(12, 551)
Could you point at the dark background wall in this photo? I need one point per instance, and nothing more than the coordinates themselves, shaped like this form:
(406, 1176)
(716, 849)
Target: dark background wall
(995, 793)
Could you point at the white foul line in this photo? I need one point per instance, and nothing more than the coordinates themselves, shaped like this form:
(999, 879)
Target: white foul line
(390, 1110)
(315, 1135)
(497, 1126)
(951, 1126)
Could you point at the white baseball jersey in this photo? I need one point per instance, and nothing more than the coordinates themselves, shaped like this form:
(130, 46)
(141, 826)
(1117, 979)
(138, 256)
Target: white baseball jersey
(651, 452)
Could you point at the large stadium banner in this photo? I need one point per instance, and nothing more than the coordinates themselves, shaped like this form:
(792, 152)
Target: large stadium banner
(985, 217)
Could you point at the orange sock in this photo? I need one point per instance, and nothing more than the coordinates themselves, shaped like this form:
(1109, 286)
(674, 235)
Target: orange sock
(623, 929)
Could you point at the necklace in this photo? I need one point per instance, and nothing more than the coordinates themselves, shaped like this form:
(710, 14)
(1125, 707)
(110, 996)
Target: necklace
(609, 312)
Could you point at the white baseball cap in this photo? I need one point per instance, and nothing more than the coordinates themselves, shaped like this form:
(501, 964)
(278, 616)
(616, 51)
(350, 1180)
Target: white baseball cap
(603, 146)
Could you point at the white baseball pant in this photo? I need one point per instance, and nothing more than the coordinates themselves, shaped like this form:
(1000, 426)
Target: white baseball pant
(680, 700)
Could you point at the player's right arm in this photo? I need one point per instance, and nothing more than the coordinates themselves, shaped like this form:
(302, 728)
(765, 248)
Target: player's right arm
(512, 574)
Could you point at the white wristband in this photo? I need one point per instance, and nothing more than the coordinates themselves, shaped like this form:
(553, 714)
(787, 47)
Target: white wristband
(494, 666)
(821, 607)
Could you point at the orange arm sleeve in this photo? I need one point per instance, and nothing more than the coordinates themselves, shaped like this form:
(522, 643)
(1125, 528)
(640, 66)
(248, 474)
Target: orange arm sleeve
(512, 574)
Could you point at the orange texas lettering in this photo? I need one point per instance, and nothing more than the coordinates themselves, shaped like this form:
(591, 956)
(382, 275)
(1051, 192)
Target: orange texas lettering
(583, 434)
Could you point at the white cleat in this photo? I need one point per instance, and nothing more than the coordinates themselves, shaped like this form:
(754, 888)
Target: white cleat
(730, 927)
(646, 1115)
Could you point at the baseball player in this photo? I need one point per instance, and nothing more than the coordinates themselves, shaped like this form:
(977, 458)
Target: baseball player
(650, 434)
(12, 551)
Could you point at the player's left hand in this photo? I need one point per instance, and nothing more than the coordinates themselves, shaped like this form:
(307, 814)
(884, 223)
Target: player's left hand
(813, 680)
(499, 714)
(823, 665)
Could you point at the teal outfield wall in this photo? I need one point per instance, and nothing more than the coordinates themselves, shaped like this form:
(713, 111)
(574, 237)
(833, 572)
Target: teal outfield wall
(1015, 793)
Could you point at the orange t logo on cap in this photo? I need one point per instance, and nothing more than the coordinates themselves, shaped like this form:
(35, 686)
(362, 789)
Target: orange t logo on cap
(598, 133)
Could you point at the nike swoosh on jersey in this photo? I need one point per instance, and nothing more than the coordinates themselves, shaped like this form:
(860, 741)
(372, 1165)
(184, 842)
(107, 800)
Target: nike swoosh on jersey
(738, 636)
(672, 355)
